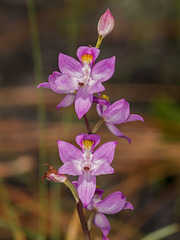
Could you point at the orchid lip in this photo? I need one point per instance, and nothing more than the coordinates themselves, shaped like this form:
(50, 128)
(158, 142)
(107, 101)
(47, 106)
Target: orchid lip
(86, 169)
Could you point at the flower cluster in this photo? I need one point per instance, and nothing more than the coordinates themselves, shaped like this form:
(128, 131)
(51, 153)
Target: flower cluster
(81, 80)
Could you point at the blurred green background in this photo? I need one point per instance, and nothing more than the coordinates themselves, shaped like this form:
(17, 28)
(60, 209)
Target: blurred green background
(146, 43)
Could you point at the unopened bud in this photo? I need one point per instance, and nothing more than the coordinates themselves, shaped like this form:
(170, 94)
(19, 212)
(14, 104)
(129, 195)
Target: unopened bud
(105, 24)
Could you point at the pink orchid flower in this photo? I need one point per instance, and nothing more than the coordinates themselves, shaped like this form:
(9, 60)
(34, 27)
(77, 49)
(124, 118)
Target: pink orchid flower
(113, 203)
(85, 163)
(80, 79)
(116, 113)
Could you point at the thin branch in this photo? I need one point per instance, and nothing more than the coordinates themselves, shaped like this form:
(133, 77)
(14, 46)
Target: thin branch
(83, 221)
(87, 124)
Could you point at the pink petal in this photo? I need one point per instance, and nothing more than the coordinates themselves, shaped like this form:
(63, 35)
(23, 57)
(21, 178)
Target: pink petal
(83, 101)
(70, 66)
(100, 101)
(105, 152)
(116, 131)
(86, 188)
(128, 205)
(92, 137)
(103, 70)
(62, 84)
(95, 87)
(99, 109)
(71, 168)
(89, 51)
(134, 117)
(44, 85)
(101, 168)
(118, 112)
(113, 203)
(101, 221)
(67, 101)
(105, 238)
(68, 152)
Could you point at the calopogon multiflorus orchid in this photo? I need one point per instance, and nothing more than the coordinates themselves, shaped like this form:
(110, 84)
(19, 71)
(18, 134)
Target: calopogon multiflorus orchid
(116, 113)
(86, 163)
(80, 79)
(113, 203)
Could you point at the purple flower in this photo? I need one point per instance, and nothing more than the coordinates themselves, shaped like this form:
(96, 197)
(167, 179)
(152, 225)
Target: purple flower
(113, 203)
(79, 80)
(117, 113)
(86, 164)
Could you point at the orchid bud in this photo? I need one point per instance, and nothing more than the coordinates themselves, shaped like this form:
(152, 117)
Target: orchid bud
(105, 24)
(52, 175)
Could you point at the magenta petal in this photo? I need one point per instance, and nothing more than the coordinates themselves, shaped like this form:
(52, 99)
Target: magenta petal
(118, 112)
(71, 168)
(105, 152)
(83, 101)
(95, 87)
(86, 188)
(92, 137)
(101, 168)
(68, 152)
(89, 51)
(67, 101)
(100, 101)
(134, 117)
(44, 85)
(113, 203)
(105, 238)
(128, 205)
(103, 70)
(70, 66)
(99, 109)
(101, 222)
(116, 131)
(62, 84)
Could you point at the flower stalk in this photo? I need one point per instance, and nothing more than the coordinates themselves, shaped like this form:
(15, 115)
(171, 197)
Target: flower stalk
(80, 80)
(90, 220)
(85, 229)
(73, 190)
(87, 124)
(99, 41)
(97, 126)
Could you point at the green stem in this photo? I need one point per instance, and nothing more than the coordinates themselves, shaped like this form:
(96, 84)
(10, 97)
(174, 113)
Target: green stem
(163, 232)
(96, 127)
(91, 217)
(99, 41)
(73, 190)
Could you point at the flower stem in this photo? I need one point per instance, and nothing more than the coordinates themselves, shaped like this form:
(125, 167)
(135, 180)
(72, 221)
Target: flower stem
(96, 127)
(91, 217)
(85, 229)
(73, 190)
(87, 124)
(79, 207)
(99, 41)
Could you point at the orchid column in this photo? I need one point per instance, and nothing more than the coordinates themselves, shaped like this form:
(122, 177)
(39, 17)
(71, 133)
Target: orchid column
(81, 80)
